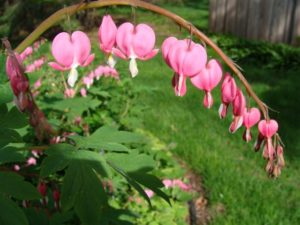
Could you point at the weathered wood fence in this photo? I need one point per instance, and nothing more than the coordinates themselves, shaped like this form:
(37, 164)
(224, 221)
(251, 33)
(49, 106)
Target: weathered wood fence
(271, 20)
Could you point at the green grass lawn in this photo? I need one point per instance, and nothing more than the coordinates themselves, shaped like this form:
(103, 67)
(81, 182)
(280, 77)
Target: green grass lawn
(237, 187)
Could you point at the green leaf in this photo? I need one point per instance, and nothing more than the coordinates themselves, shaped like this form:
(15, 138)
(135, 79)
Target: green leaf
(61, 155)
(36, 217)
(108, 138)
(85, 142)
(14, 119)
(6, 94)
(150, 182)
(111, 134)
(132, 162)
(14, 185)
(11, 214)
(10, 154)
(132, 182)
(83, 190)
(72, 106)
(9, 136)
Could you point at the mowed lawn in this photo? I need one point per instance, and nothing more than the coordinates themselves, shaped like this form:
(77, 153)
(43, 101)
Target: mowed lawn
(237, 187)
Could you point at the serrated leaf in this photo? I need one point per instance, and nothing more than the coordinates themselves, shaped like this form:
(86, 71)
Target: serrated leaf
(10, 154)
(11, 214)
(14, 185)
(9, 136)
(83, 190)
(132, 162)
(6, 94)
(14, 119)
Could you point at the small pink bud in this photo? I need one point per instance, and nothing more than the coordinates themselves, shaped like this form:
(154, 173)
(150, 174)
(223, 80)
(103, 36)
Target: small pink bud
(149, 193)
(83, 92)
(69, 93)
(31, 161)
(16, 167)
(168, 183)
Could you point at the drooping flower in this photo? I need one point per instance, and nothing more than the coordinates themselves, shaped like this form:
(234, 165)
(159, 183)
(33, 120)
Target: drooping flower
(228, 93)
(76, 52)
(31, 161)
(208, 79)
(135, 42)
(88, 81)
(238, 109)
(149, 193)
(56, 198)
(107, 38)
(186, 58)
(267, 128)
(69, 93)
(27, 52)
(250, 118)
(83, 92)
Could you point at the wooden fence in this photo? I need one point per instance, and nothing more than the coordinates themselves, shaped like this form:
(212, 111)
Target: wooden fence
(271, 20)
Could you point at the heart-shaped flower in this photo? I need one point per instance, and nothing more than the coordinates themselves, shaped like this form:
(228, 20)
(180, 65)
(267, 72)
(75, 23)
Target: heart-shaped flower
(207, 80)
(135, 42)
(250, 118)
(71, 51)
(228, 94)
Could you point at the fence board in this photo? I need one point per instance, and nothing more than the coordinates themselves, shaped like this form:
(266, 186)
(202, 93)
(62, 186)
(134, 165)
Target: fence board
(273, 20)
(296, 24)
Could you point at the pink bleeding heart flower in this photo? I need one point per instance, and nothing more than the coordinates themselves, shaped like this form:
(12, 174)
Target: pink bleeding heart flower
(76, 52)
(135, 42)
(165, 47)
(107, 37)
(238, 109)
(88, 81)
(149, 193)
(27, 52)
(168, 183)
(39, 62)
(30, 68)
(207, 80)
(31, 161)
(83, 92)
(69, 93)
(250, 118)
(38, 83)
(267, 128)
(186, 58)
(183, 186)
(228, 93)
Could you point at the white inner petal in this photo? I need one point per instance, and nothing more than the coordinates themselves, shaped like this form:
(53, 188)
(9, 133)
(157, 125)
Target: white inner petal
(73, 76)
(133, 67)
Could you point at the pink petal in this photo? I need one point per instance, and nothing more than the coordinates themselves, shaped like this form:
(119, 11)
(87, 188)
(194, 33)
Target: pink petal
(82, 47)
(268, 128)
(124, 38)
(62, 41)
(179, 84)
(107, 34)
(56, 66)
(119, 53)
(239, 104)
(195, 60)
(143, 40)
(166, 47)
(89, 60)
(150, 55)
(208, 100)
(251, 117)
(229, 89)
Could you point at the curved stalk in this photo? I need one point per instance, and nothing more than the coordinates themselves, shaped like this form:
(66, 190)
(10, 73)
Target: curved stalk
(60, 14)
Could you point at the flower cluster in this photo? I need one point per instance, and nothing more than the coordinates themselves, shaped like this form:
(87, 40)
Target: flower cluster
(189, 60)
